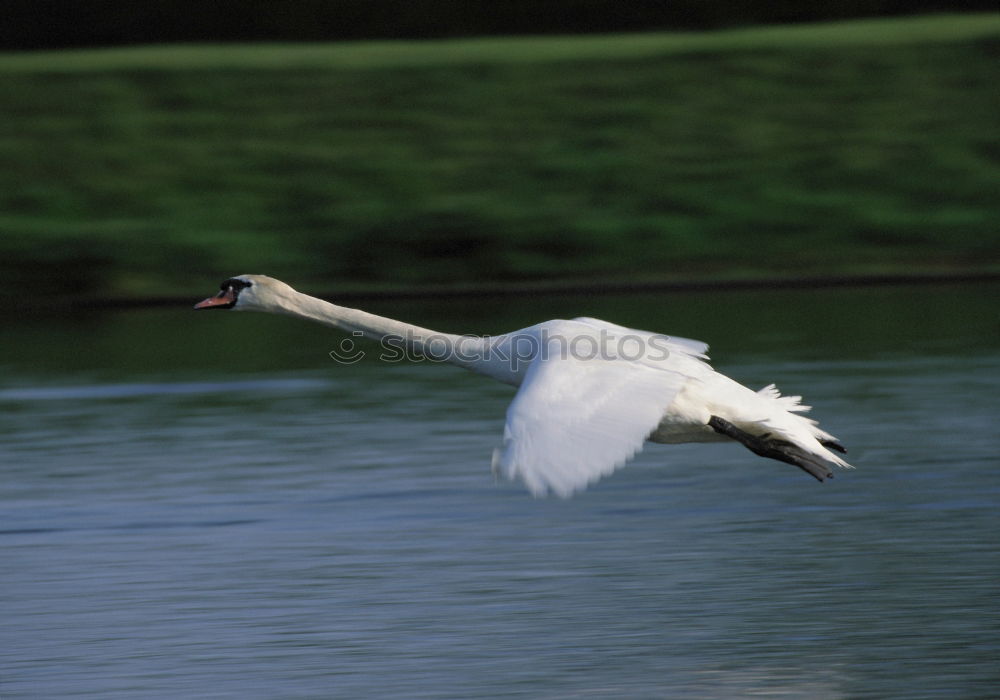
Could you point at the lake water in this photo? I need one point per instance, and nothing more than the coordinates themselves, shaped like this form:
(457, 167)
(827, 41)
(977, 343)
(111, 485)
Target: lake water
(206, 505)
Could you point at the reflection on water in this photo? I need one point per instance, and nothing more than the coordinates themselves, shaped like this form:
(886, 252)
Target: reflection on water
(208, 506)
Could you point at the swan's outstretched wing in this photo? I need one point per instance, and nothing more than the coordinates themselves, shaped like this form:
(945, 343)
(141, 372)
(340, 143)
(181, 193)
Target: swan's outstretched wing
(577, 418)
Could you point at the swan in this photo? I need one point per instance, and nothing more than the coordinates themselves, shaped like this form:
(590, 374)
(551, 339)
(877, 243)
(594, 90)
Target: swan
(590, 393)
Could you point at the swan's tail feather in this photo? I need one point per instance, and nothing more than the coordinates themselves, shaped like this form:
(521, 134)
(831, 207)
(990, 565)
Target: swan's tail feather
(789, 403)
(793, 404)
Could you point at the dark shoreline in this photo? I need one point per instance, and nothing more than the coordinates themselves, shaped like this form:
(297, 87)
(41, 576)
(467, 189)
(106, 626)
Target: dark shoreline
(549, 289)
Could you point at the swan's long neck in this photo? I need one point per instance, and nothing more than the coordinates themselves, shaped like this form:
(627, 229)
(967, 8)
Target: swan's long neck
(461, 350)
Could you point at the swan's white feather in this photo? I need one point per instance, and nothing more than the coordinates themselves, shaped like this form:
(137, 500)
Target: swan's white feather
(787, 403)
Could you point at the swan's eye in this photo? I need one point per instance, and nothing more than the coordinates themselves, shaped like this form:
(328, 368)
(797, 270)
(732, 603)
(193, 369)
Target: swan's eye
(235, 284)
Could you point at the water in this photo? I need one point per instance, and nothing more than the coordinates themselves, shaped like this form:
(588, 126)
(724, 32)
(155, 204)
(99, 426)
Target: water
(205, 505)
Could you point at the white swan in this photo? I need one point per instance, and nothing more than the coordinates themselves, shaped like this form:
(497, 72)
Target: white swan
(590, 392)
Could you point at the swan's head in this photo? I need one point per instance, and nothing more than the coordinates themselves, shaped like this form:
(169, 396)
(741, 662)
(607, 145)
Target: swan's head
(248, 293)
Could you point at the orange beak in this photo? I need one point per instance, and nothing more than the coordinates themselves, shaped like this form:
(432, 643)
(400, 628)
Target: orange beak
(224, 300)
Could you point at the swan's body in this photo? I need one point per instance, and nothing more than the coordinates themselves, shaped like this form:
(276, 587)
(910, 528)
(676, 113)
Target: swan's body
(590, 392)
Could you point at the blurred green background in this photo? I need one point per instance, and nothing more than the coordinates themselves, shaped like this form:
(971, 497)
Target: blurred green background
(849, 148)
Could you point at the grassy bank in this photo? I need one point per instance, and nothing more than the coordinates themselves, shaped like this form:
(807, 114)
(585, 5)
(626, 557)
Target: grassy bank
(848, 148)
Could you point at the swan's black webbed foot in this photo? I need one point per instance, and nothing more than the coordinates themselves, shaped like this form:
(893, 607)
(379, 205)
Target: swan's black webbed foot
(773, 448)
(833, 445)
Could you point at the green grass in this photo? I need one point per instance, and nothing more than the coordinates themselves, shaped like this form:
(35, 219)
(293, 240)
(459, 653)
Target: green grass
(830, 149)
